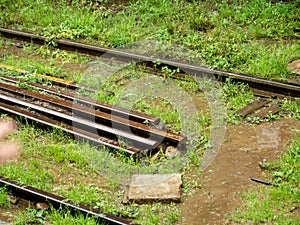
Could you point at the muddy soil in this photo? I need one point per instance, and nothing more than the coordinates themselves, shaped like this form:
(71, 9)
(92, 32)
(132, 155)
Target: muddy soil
(243, 148)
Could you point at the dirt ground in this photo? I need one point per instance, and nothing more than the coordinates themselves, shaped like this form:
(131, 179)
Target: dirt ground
(243, 148)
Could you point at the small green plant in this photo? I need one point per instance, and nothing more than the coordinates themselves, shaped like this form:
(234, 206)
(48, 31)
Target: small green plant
(237, 96)
(4, 202)
(167, 72)
(30, 216)
(254, 120)
(292, 107)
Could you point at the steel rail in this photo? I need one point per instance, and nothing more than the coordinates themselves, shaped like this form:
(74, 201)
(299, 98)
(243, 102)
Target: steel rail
(106, 108)
(105, 119)
(79, 123)
(36, 195)
(276, 87)
(77, 133)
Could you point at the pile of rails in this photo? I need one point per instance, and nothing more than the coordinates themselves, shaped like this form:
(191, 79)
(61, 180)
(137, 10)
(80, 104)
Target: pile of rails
(98, 123)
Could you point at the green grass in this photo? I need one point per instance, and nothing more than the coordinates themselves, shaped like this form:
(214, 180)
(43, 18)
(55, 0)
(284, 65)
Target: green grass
(276, 205)
(36, 65)
(255, 36)
(292, 107)
(4, 202)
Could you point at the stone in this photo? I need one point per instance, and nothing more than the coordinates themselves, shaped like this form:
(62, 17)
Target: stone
(145, 188)
(171, 152)
(42, 205)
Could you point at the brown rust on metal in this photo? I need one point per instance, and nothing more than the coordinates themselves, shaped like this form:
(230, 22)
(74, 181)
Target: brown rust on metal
(142, 143)
(78, 133)
(36, 195)
(252, 107)
(103, 107)
(82, 134)
(106, 119)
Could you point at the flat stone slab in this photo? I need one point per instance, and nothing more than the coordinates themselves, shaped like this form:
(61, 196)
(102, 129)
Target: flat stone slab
(146, 188)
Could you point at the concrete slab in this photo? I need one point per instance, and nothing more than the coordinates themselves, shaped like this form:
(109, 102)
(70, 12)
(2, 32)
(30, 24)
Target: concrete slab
(146, 188)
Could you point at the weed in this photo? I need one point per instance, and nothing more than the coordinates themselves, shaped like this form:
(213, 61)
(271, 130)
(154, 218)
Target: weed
(30, 216)
(57, 217)
(291, 107)
(237, 95)
(33, 216)
(167, 72)
(4, 202)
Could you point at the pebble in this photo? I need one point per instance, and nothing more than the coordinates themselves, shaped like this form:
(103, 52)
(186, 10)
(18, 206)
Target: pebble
(42, 205)
(171, 152)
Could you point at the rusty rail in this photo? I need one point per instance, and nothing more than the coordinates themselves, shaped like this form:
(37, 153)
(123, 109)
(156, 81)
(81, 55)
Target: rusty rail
(102, 107)
(78, 133)
(35, 195)
(84, 120)
(84, 124)
(273, 87)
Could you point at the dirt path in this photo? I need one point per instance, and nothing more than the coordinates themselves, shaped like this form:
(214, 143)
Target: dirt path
(244, 146)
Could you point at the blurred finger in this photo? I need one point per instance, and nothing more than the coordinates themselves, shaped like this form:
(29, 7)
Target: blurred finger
(6, 127)
(8, 151)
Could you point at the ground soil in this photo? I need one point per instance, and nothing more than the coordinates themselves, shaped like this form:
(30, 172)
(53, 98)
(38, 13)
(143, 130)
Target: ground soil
(243, 148)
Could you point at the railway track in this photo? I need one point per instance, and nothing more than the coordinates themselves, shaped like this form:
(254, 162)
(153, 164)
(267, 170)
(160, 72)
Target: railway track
(262, 87)
(34, 196)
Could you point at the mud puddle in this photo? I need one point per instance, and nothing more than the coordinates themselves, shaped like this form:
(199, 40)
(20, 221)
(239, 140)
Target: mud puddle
(243, 148)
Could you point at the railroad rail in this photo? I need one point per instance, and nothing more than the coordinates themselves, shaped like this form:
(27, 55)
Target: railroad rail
(99, 124)
(262, 86)
(35, 195)
(103, 107)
